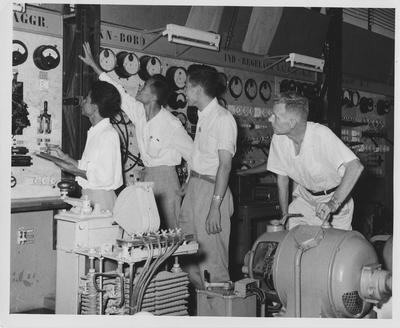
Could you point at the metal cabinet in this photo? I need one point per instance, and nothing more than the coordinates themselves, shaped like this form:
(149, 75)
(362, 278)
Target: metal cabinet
(249, 222)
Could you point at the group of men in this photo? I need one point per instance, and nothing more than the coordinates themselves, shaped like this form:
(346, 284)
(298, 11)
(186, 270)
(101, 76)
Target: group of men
(322, 168)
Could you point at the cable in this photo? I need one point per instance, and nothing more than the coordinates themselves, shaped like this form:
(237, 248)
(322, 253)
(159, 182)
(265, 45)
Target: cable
(148, 274)
(157, 264)
(135, 289)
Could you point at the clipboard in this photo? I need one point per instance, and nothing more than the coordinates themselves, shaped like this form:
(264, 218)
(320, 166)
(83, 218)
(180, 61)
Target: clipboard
(56, 160)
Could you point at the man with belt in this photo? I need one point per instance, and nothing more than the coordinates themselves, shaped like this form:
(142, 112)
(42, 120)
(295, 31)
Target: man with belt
(162, 140)
(208, 205)
(323, 168)
(99, 171)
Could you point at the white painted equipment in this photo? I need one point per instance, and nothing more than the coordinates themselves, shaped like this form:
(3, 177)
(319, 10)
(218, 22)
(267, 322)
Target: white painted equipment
(100, 273)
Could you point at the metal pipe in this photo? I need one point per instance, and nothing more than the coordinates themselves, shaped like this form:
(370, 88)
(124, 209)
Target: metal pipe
(297, 282)
(100, 285)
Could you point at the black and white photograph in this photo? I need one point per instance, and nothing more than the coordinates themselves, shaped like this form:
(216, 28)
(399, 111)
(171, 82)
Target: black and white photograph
(221, 164)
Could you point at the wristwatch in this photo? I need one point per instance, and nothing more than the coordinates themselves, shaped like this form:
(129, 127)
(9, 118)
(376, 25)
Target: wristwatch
(336, 203)
(217, 198)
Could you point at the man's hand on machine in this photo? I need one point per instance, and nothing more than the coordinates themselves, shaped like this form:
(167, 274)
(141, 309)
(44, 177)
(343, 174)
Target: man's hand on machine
(323, 210)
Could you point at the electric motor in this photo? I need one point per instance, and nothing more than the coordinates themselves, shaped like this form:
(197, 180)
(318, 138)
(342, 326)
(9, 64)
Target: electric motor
(318, 272)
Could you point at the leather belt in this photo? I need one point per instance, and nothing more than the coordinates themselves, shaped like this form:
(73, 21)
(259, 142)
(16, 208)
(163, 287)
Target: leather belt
(323, 192)
(205, 177)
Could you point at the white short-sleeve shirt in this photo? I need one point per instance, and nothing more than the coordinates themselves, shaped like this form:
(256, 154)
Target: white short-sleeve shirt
(162, 140)
(101, 158)
(216, 130)
(319, 164)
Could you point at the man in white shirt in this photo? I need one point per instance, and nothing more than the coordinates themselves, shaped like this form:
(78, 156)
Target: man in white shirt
(99, 171)
(208, 205)
(162, 140)
(323, 168)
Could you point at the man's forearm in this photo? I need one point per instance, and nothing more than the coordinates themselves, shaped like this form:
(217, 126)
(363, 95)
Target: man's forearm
(262, 168)
(221, 183)
(283, 193)
(351, 176)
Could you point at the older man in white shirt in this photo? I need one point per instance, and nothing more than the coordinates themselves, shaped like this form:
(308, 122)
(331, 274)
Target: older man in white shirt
(162, 140)
(323, 168)
(208, 205)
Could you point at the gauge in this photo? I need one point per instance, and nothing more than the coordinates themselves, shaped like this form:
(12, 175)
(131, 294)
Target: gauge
(364, 105)
(46, 57)
(346, 97)
(265, 90)
(20, 53)
(149, 66)
(107, 60)
(127, 64)
(176, 77)
(224, 81)
(355, 98)
(13, 181)
(182, 117)
(250, 89)
(177, 100)
(292, 85)
(235, 86)
(370, 104)
(284, 86)
(222, 102)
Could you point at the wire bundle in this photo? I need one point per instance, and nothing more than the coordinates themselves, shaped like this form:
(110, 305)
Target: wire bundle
(149, 269)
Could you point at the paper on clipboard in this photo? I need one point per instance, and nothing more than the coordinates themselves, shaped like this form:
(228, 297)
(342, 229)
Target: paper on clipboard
(54, 159)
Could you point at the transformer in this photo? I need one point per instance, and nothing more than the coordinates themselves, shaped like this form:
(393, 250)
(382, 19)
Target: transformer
(119, 263)
(318, 272)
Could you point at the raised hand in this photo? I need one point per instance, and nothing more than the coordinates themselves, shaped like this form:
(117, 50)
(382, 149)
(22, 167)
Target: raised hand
(88, 58)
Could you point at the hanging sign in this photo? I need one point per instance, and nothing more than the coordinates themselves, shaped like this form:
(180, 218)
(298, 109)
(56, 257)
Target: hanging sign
(38, 20)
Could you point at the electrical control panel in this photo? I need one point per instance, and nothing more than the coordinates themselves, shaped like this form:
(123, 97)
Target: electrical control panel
(36, 101)
(365, 124)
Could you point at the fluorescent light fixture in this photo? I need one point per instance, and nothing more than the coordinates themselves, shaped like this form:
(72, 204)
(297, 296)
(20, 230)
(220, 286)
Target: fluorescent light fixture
(192, 37)
(306, 62)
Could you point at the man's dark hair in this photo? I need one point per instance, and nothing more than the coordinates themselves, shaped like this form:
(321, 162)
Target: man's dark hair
(159, 85)
(208, 78)
(106, 97)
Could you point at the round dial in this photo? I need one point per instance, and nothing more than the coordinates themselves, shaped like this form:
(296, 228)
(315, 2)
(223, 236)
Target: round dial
(46, 57)
(149, 66)
(176, 77)
(222, 102)
(235, 86)
(177, 100)
(20, 52)
(182, 117)
(127, 64)
(153, 66)
(131, 63)
(107, 60)
(224, 80)
(355, 98)
(250, 89)
(265, 90)
(179, 77)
